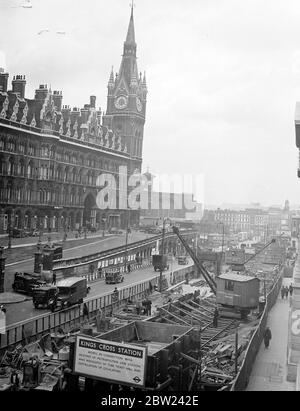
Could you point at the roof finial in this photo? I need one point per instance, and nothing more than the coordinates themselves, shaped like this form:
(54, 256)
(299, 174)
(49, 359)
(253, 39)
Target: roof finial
(132, 5)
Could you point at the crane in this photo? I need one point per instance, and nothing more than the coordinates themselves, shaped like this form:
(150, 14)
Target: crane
(258, 252)
(206, 275)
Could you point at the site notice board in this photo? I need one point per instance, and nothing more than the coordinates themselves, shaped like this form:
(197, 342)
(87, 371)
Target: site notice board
(110, 361)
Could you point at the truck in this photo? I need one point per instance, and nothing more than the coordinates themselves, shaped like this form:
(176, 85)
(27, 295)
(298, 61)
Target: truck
(71, 291)
(25, 283)
(182, 260)
(113, 276)
(160, 262)
(45, 297)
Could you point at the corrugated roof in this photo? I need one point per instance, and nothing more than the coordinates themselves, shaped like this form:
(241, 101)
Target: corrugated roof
(236, 277)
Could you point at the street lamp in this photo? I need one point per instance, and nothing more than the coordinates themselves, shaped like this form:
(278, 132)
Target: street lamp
(9, 232)
(126, 241)
(162, 250)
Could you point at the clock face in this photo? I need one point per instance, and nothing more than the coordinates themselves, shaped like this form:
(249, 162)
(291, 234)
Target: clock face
(121, 102)
(139, 104)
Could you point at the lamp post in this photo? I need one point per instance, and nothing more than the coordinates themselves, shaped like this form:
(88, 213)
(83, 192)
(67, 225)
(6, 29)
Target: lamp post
(9, 232)
(39, 227)
(126, 241)
(162, 251)
(104, 226)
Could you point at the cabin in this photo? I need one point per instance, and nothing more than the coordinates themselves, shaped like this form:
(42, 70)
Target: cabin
(236, 290)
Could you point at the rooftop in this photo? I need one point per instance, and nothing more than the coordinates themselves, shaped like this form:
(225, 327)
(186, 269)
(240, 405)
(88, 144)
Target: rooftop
(236, 277)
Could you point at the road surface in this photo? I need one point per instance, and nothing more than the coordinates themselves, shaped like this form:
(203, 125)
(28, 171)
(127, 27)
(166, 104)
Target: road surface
(100, 244)
(25, 310)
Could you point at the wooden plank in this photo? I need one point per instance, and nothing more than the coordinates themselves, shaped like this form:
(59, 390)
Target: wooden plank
(194, 309)
(191, 359)
(190, 315)
(175, 316)
(201, 306)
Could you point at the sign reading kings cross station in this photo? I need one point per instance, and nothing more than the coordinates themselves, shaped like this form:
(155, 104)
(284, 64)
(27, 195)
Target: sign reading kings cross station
(110, 361)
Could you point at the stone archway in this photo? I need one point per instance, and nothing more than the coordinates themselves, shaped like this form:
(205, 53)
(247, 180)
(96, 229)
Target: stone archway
(89, 212)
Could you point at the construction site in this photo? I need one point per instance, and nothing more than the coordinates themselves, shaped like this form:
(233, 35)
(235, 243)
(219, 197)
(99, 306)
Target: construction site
(189, 334)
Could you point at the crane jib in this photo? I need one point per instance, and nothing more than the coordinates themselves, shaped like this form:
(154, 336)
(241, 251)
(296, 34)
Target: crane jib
(210, 281)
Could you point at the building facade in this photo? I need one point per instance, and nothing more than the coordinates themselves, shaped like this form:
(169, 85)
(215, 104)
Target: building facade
(51, 155)
(235, 221)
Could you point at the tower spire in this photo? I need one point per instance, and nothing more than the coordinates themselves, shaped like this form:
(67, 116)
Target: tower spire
(130, 38)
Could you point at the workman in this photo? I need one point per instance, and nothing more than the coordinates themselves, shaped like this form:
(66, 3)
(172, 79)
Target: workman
(149, 304)
(215, 319)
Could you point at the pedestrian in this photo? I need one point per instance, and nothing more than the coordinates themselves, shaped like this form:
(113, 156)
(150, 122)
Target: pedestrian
(282, 292)
(3, 309)
(54, 278)
(14, 380)
(286, 292)
(145, 307)
(215, 319)
(267, 337)
(138, 308)
(291, 289)
(85, 311)
(129, 268)
(149, 307)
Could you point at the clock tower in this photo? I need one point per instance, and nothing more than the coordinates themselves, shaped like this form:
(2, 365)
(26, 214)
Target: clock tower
(126, 100)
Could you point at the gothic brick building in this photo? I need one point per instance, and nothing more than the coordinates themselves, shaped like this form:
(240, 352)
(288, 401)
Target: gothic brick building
(51, 155)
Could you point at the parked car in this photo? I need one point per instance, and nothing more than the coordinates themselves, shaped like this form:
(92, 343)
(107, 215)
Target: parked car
(114, 230)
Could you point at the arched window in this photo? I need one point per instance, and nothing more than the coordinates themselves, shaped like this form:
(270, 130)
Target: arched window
(66, 174)
(74, 175)
(10, 168)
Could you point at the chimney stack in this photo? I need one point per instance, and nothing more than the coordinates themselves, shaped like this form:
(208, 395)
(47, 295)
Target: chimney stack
(3, 80)
(18, 85)
(41, 92)
(57, 98)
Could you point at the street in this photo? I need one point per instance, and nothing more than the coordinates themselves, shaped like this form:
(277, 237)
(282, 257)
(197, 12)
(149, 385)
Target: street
(25, 310)
(99, 244)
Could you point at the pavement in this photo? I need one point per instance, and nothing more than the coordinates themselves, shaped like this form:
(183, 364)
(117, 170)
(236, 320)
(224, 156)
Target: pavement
(11, 298)
(270, 368)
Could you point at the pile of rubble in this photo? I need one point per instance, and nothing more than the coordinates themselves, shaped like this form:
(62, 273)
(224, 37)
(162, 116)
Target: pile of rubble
(38, 365)
(219, 357)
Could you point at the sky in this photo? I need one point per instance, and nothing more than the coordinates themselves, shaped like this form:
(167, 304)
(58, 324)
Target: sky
(223, 78)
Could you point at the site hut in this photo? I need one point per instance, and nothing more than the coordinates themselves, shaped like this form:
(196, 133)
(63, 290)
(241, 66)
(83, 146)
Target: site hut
(238, 293)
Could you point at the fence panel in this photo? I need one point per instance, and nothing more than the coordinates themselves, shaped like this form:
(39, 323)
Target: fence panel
(242, 378)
